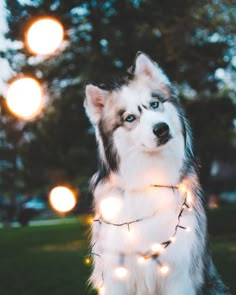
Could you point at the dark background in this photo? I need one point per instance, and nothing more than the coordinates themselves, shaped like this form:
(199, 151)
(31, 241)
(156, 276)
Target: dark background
(193, 41)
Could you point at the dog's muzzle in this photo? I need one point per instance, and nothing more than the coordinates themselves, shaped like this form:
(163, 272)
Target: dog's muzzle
(162, 132)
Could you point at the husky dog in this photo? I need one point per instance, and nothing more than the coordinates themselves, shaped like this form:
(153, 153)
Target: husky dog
(144, 242)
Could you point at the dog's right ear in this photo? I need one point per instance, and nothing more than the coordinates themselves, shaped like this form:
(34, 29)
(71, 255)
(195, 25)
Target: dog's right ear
(94, 102)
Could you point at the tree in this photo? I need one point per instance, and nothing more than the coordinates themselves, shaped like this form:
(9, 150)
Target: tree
(188, 38)
(11, 166)
(212, 123)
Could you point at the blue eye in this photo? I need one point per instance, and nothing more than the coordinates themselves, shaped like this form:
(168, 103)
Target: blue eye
(154, 105)
(130, 118)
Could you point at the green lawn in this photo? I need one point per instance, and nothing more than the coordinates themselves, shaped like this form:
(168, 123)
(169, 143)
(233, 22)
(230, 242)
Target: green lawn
(49, 260)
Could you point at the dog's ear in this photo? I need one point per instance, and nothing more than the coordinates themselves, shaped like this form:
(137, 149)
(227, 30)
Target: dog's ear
(94, 102)
(144, 65)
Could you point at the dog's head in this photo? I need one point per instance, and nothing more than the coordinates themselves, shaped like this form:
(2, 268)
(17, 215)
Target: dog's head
(142, 114)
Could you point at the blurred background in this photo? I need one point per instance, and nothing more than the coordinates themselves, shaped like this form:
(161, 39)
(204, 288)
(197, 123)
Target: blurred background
(42, 246)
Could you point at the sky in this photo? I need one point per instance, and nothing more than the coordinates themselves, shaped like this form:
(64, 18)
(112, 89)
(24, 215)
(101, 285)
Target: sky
(5, 70)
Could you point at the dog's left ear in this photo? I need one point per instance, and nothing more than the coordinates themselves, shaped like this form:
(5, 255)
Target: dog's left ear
(144, 65)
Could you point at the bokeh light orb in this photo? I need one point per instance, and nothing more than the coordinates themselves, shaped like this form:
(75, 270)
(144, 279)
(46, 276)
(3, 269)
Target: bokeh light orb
(110, 207)
(62, 199)
(121, 272)
(164, 269)
(44, 36)
(25, 98)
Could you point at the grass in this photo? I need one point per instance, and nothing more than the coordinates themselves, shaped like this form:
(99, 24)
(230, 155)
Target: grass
(49, 260)
(43, 260)
(224, 255)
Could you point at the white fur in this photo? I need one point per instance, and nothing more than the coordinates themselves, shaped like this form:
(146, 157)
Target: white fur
(141, 165)
(145, 279)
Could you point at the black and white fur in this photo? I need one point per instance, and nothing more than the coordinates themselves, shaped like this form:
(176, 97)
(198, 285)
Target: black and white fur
(132, 158)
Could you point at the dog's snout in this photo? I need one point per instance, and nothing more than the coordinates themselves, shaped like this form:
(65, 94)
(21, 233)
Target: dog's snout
(161, 130)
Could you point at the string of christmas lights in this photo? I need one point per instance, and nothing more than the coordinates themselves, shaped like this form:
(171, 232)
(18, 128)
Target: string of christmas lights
(100, 219)
(121, 272)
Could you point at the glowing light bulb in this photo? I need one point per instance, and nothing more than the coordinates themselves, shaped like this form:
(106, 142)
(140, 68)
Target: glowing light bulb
(121, 272)
(109, 207)
(25, 98)
(89, 220)
(44, 36)
(157, 248)
(87, 260)
(187, 194)
(62, 199)
(164, 269)
(101, 290)
(131, 235)
(182, 188)
(188, 229)
(141, 259)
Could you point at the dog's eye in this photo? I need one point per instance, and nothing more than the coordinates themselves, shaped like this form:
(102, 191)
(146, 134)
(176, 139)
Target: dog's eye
(154, 105)
(130, 118)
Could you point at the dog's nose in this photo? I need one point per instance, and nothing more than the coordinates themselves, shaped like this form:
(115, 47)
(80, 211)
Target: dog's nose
(161, 130)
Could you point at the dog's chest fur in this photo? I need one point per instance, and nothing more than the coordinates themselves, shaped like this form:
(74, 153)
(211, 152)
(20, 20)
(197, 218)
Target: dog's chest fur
(159, 209)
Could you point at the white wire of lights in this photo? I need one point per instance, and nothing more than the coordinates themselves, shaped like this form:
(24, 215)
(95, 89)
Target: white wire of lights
(121, 272)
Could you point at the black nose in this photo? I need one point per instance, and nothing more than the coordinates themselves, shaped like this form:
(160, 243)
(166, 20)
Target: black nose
(161, 130)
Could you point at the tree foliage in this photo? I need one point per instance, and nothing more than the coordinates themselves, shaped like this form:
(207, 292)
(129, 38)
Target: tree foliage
(189, 39)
